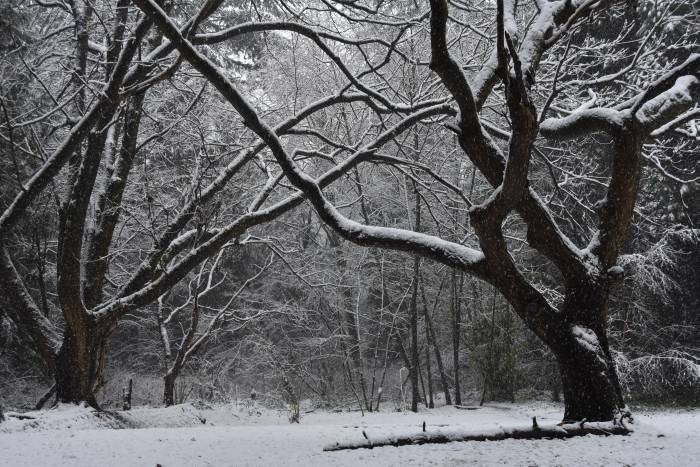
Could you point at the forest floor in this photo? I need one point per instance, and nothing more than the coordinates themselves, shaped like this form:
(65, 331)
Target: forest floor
(238, 435)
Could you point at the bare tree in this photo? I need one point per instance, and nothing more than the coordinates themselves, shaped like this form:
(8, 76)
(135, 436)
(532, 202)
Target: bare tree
(196, 336)
(576, 330)
(91, 300)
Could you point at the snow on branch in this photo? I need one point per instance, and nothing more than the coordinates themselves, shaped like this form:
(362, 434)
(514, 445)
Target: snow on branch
(447, 252)
(584, 121)
(46, 173)
(668, 105)
(313, 35)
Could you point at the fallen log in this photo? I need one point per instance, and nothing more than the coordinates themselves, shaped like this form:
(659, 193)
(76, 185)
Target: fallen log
(19, 416)
(467, 407)
(566, 430)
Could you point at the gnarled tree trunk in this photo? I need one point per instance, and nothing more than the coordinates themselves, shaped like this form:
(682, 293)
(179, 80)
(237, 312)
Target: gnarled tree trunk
(589, 378)
(589, 381)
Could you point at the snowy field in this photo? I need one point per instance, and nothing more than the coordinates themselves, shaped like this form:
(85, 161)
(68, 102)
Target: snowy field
(243, 436)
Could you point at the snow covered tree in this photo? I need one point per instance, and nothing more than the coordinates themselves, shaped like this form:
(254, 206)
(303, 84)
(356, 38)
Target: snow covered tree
(507, 141)
(576, 329)
(84, 150)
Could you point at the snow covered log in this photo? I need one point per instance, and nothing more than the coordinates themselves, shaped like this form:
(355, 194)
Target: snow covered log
(567, 430)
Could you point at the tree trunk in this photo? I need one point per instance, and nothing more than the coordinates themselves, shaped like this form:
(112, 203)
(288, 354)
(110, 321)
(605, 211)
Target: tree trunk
(589, 390)
(556, 388)
(415, 370)
(490, 370)
(589, 378)
(428, 370)
(45, 398)
(456, 322)
(76, 373)
(510, 357)
(413, 364)
(422, 384)
(169, 388)
(126, 403)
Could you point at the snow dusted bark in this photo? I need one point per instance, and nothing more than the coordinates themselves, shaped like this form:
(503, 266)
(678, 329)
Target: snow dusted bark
(109, 207)
(78, 133)
(589, 378)
(561, 431)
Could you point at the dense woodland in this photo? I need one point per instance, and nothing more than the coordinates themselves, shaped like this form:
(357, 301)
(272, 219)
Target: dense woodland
(359, 203)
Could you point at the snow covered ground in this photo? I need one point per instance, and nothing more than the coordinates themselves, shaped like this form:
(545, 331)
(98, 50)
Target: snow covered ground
(242, 436)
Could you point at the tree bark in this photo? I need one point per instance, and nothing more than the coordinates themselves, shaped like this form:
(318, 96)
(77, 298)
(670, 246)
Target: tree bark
(413, 367)
(456, 321)
(126, 403)
(169, 388)
(589, 378)
(45, 398)
(76, 366)
(429, 374)
(109, 208)
(588, 385)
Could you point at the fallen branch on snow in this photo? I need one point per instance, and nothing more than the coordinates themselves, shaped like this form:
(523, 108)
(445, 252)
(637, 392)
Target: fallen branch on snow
(19, 416)
(467, 407)
(567, 430)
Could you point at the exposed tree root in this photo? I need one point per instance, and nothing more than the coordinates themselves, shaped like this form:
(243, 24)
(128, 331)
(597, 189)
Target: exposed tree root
(566, 430)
